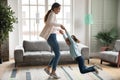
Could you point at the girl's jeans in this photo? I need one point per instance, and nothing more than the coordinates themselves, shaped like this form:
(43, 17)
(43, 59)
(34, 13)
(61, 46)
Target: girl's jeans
(83, 69)
(52, 41)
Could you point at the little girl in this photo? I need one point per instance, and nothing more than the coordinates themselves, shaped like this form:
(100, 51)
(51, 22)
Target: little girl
(75, 53)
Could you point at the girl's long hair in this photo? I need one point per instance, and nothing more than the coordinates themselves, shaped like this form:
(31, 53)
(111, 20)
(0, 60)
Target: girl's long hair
(75, 39)
(55, 5)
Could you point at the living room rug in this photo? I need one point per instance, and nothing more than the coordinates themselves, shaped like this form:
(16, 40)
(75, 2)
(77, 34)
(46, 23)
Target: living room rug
(65, 73)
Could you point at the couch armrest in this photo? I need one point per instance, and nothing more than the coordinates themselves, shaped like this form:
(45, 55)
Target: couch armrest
(85, 53)
(18, 54)
(84, 50)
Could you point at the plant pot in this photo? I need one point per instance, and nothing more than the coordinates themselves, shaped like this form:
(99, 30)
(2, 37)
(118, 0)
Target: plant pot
(105, 48)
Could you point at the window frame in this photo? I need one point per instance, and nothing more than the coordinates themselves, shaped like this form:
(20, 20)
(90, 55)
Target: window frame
(46, 9)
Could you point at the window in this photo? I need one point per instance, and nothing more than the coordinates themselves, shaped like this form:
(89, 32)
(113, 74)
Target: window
(33, 12)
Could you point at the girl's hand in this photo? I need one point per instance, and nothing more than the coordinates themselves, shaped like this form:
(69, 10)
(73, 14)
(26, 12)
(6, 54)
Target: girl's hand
(61, 31)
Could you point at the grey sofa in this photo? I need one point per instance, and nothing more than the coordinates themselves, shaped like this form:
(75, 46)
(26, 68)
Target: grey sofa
(39, 53)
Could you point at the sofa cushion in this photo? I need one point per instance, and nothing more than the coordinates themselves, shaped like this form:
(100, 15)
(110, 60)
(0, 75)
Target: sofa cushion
(109, 56)
(32, 56)
(63, 46)
(65, 55)
(66, 58)
(42, 56)
(36, 46)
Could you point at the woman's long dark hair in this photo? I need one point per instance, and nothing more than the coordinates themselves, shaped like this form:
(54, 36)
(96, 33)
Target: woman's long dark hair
(55, 5)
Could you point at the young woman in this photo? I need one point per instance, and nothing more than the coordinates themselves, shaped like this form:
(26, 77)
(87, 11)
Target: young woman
(49, 33)
(74, 51)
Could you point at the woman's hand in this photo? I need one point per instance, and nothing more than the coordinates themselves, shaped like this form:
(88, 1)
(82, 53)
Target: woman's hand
(62, 27)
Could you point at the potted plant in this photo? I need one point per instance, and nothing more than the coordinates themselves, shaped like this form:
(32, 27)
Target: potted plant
(7, 19)
(106, 38)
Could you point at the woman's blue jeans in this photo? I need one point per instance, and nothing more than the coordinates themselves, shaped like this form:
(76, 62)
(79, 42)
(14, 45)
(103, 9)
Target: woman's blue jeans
(83, 69)
(52, 41)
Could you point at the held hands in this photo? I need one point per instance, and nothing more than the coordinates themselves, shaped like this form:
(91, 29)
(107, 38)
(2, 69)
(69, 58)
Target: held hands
(63, 28)
(61, 31)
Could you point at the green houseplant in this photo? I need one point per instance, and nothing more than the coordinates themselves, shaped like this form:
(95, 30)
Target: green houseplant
(106, 38)
(7, 19)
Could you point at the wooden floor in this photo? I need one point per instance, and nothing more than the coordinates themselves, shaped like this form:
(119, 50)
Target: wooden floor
(110, 69)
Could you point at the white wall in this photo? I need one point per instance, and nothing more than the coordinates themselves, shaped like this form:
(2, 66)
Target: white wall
(79, 12)
(13, 36)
